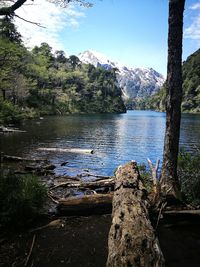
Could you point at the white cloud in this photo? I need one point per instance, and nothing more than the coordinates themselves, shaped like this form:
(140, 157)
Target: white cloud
(195, 6)
(193, 30)
(50, 16)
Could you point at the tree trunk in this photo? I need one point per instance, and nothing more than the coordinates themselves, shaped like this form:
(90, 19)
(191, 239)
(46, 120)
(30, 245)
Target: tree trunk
(132, 241)
(7, 11)
(169, 179)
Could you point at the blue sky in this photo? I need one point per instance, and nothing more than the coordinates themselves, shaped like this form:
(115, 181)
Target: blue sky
(131, 32)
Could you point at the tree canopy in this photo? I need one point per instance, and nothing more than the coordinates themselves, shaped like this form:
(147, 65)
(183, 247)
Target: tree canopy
(44, 82)
(8, 8)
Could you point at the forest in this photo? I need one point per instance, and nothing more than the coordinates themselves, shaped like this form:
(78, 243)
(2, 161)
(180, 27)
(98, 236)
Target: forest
(191, 89)
(39, 82)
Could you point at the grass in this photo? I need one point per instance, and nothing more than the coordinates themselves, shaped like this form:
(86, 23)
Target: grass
(21, 198)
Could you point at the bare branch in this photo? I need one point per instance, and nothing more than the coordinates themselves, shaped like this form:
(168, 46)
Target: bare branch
(154, 172)
(32, 22)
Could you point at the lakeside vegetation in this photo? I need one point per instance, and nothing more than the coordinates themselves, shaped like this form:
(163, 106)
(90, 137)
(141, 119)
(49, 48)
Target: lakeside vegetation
(39, 82)
(22, 198)
(191, 90)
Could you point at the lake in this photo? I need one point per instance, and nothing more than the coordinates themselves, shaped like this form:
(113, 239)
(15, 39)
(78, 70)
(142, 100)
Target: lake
(115, 139)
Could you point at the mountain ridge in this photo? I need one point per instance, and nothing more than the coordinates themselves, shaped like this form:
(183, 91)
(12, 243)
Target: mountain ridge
(134, 82)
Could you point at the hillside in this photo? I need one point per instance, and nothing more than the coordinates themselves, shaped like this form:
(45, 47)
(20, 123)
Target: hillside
(135, 83)
(42, 82)
(191, 88)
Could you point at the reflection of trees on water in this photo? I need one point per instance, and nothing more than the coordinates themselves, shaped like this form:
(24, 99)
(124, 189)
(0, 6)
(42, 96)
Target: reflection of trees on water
(115, 138)
(190, 132)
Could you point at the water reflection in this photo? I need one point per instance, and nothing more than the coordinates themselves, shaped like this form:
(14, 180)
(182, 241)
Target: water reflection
(115, 139)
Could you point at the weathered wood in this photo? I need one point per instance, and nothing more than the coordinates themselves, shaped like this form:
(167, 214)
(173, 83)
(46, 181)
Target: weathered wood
(181, 212)
(132, 241)
(15, 158)
(154, 173)
(10, 130)
(86, 185)
(86, 205)
(48, 167)
(99, 177)
(71, 150)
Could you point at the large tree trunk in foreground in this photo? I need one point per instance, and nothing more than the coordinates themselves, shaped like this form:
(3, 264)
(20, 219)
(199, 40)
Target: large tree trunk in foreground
(169, 179)
(132, 241)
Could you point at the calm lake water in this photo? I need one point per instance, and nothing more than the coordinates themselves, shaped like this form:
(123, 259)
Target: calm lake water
(115, 139)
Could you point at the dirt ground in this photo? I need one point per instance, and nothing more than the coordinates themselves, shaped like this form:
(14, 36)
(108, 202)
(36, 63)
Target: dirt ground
(82, 242)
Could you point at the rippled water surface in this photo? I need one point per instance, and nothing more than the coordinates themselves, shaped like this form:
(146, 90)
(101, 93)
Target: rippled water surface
(115, 139)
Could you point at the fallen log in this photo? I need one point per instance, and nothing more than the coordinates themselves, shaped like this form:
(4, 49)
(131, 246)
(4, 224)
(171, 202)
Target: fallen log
(15, 158)
(86, 185)
(86, 205)
(71, 150)
(10, 130)
(132, 241)
(99, 177)
(48, 167)
(183, 212)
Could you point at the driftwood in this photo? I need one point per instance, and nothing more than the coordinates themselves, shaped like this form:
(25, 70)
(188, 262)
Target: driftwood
(72, 150)
(86, 185)
(53, 224)
(48, 167)
(132, 241)
(99, 177)
(15, 158)
(10, 130)
(30, 251)
(181, 212)
(86, 205)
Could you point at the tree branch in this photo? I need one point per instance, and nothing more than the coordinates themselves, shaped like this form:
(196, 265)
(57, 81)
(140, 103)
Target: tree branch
(7, 11)
(32, 22)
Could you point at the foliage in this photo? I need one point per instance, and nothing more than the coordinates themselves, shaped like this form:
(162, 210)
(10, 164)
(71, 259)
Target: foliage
(189, 175)
(191, 88)
(49, 82)
(145, 177)
(21, 198)
(10, 113)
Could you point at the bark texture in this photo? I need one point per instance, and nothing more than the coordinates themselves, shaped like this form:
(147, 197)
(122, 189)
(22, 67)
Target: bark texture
(132, 241)
(86, 205)
(169, 179)
(87, 185)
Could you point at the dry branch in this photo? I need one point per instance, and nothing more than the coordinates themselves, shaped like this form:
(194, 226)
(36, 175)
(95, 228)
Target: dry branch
(154, 173)
(30, 251)
(86, 185)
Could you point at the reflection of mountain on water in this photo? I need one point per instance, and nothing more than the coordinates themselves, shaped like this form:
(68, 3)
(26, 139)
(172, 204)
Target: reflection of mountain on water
(115, 138)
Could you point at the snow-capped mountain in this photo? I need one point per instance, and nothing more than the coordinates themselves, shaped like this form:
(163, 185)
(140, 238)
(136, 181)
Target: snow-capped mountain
(134, 82)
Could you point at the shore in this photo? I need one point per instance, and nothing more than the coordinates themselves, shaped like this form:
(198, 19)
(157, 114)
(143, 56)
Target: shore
(82, 242)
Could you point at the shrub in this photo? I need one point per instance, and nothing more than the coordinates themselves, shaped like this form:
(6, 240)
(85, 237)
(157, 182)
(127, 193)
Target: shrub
(9, 113)
(189, 175)
(21, 198)
(146, 177)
